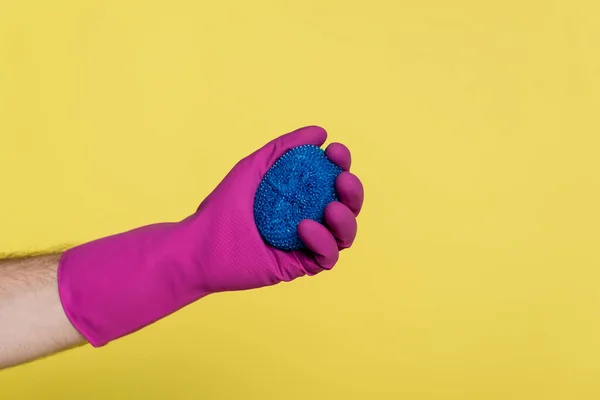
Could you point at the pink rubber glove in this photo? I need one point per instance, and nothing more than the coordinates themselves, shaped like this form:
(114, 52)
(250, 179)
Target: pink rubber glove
(117, 285)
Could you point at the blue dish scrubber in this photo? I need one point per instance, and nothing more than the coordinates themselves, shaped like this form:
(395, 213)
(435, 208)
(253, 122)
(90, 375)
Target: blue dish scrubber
(298, 186)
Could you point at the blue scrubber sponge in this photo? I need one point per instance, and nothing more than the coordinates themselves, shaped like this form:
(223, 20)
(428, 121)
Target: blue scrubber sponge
(298, 186)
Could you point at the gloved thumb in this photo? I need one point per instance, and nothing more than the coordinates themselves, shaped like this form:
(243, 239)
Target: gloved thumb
(270, 152)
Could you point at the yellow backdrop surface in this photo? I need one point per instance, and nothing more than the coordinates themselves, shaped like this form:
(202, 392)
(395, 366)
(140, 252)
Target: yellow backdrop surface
(474, 126)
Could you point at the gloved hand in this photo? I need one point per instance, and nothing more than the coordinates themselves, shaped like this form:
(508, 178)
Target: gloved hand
(117, 285)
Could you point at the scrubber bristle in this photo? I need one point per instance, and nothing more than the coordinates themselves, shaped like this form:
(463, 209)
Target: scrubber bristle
(298, 186)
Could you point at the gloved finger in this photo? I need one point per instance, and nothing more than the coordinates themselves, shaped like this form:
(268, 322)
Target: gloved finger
(321, 243)
(350, 191)
(339, 155)
(342, 223)
(270, 152)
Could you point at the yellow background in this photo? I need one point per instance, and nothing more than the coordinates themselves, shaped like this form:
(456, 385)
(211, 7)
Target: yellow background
(473, 124)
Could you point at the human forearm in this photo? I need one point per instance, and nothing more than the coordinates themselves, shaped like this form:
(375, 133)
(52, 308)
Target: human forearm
(32, 321)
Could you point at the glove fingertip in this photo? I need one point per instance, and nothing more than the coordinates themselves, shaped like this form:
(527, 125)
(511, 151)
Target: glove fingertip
(320, 242)
(342, 223)
(340, 155)
(350, 191)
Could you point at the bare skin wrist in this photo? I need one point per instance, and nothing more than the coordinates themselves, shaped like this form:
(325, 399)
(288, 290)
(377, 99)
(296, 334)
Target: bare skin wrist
(32, 321)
